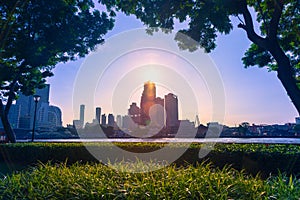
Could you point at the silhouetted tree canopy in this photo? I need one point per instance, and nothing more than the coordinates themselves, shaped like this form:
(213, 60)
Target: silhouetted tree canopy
(35, 35)
(276, 47)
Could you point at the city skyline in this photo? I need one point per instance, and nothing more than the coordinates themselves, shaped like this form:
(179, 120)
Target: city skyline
(148, 113)
(141, 115)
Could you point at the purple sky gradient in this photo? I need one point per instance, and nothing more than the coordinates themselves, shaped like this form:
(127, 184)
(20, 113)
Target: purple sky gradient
(253, 95)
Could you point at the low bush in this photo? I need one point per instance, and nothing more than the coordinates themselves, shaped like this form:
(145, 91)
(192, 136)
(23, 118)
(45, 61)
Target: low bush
(254, 158)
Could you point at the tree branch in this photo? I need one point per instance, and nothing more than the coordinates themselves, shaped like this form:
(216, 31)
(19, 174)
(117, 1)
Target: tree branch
(273, 27)
(240, 20)
(249, 27)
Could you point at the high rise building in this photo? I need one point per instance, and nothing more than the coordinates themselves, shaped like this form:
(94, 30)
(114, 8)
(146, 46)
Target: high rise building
(103, 119)
(147, 100)
(44, 111)
(159, 101)
(134, 113)
(42, 115)
(98, 114)
(171, 107)
(49, 117)
(158, 112)
(44, 93)
(81, 114)
(27, 106)
(119, 121)
(111, 120)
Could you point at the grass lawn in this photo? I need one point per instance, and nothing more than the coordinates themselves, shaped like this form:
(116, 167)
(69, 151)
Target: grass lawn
(97, 181)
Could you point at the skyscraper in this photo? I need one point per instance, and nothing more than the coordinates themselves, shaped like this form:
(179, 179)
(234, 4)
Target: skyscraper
(42, 115)
(147, 100)
(81, 116)
(111, 120)
(44, 93)
(103, 119)
(98, 114)
(26, 104)
(44, 110)
(171, 107)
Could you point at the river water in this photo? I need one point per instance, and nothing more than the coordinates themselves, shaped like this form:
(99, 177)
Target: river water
(181, 140)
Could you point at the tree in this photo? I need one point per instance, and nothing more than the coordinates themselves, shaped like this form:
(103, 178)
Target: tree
(35, 35)
(243, 128)
(277, 47)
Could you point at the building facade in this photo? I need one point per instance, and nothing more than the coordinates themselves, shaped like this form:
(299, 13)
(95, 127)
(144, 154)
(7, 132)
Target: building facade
(147, 101)
(103, 120)
(55, 116)
(45, 112)
(134, 113)
(81, 114)
(98, 114)
(171, 107)
(111, 120)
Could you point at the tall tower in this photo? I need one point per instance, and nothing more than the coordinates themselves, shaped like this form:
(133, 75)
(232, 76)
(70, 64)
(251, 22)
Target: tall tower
(110, 120)
(103, 120)
(98, 114)
(147, 100)
(171, 106)
(81, 117)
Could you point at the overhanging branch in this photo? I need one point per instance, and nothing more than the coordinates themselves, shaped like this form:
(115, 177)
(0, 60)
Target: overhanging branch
(249, 27)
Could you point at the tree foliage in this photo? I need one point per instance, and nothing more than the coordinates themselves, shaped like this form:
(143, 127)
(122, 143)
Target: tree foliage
(35, 35)
(287, 35)
(276, 47)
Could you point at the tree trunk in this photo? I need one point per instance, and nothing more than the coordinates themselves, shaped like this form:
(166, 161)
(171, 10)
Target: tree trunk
(6, 125)
(290, 85)
(285, 74)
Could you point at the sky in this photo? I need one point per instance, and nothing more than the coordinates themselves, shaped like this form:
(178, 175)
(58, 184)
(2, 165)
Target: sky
(114, 79)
